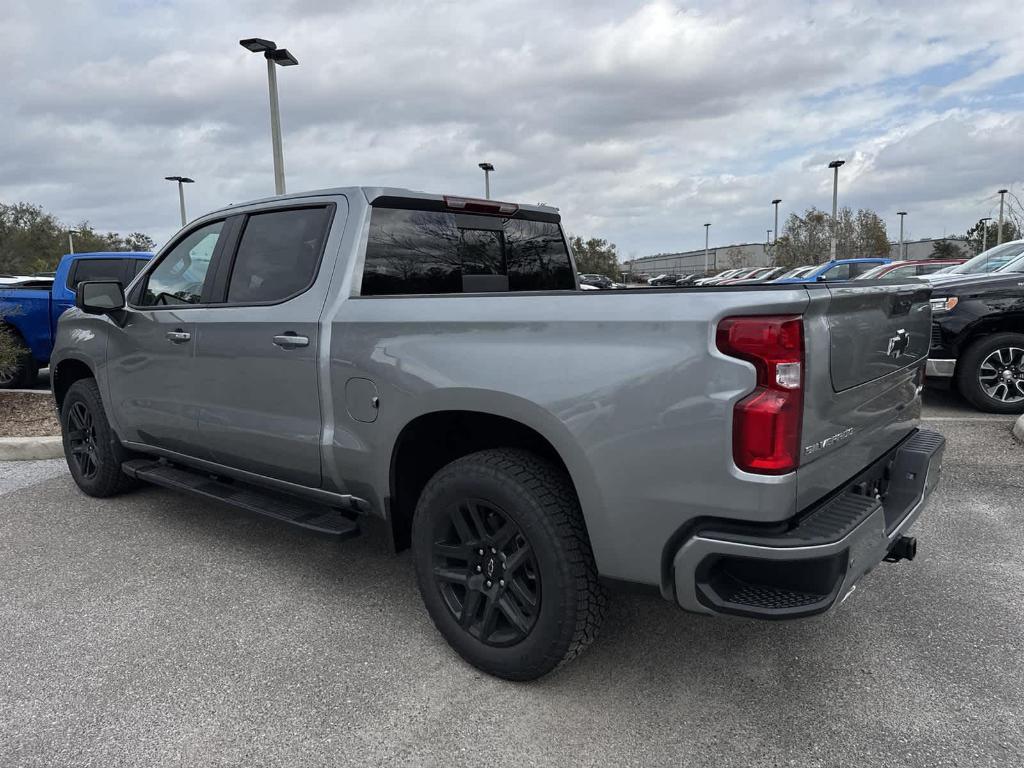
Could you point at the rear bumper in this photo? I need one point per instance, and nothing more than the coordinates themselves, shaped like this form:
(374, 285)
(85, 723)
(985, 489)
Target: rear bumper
(824, 552)
(940, 369)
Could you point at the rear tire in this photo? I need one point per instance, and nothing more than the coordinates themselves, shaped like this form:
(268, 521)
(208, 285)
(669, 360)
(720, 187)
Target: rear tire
(92, 450)
(990, 374)
(532, 600)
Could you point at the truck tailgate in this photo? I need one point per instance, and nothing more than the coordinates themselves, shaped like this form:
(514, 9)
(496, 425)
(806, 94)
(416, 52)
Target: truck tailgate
(866, 347)
(875, 330)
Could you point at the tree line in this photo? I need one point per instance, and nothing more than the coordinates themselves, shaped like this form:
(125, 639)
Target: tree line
(32, 240)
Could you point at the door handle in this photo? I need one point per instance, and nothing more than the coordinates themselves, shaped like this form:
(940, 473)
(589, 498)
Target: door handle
(291, 340)
(178, 336)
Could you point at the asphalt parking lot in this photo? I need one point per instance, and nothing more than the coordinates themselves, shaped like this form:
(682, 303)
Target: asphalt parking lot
(156, 629)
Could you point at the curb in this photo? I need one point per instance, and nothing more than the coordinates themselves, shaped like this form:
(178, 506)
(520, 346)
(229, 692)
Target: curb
(31, 448)
(1018, 429)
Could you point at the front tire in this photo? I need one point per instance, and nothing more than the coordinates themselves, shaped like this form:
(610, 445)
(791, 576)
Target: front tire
(990, 374)
(504, 563)
(92, 450)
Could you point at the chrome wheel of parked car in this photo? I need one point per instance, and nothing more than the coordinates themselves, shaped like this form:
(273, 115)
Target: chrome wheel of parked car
(1001, 375)
(487, 573)
(990, 373)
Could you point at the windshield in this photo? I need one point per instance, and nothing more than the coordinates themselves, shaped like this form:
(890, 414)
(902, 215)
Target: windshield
(795, 272)
(872, 273)
(990, 260)
(1015, 265)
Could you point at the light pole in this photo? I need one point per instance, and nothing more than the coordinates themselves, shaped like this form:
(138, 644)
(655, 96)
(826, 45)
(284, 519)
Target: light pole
(280, 57)
(901, 214)
(707, 229)
(768, 238)
(182, 180)
(71, 242)
(834, 165)
(487, 168)
(984, 233)
(999, 235)
(776, 202)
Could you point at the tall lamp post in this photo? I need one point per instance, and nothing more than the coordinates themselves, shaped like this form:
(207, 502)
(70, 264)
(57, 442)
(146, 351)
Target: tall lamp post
(182, 181)
(487, 168)
(834, 165)
(768, 238)
(71, 242)
(984, 233)
(707, 229)
(901, 214)
(279, 57)
(776, 202)
(999, 235)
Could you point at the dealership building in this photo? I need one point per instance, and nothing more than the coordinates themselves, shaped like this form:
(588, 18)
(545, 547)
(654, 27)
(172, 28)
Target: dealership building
(687, 262)
(759, 255)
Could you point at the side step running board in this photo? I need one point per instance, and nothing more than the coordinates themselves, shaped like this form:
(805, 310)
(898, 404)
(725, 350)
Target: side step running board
(321, 519)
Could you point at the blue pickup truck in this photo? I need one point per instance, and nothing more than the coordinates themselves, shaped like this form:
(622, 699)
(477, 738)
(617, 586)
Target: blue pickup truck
(30, 306)
(840, 269)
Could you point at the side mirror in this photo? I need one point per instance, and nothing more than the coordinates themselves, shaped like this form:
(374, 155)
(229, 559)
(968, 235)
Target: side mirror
(99, 297)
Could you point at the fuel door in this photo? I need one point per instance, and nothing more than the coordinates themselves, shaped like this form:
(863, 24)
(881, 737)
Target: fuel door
(362, 399)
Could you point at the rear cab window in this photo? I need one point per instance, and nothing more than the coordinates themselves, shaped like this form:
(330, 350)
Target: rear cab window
(416, 252)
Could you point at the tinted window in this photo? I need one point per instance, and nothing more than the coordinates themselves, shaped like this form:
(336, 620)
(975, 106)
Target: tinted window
(179, 277)
(278, 255)
(909, 270)
(138, 265)
(858, 269)
(841, 272)
(96, 269)
(416, 252)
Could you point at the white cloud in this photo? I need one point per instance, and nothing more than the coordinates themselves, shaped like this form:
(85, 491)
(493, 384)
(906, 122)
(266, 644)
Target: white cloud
(641, 120)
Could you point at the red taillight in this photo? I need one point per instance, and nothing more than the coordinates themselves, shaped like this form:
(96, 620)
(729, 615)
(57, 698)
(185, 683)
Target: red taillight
(766, 424)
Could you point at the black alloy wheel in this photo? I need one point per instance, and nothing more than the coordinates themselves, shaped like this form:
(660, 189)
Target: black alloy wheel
(82, 440)
(486, 572)
(504, 563)
(92, 450)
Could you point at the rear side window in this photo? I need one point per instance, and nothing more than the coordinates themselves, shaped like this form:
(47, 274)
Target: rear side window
(95, 269)
(278, 255)
(421, 252)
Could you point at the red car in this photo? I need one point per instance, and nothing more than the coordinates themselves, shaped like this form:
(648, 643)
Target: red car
(909, 268)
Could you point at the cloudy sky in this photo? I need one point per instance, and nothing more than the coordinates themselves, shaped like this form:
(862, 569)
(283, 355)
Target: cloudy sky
(640, 120)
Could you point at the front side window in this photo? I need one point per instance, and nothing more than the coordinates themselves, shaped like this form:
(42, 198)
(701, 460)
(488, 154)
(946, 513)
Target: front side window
(278, 255)
(96, 269)
(425, 252)
(179, 277)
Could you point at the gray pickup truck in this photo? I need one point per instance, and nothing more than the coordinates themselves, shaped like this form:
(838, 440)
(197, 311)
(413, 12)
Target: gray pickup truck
(333, 357)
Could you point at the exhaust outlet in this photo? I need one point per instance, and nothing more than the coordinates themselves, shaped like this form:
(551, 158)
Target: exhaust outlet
(904, 548)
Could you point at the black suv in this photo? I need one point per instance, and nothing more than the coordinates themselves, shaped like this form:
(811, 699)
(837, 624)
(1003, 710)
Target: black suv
(978, 337)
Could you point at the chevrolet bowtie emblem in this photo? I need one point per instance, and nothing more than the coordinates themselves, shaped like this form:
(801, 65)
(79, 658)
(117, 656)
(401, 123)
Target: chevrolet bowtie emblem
(898, 344)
